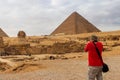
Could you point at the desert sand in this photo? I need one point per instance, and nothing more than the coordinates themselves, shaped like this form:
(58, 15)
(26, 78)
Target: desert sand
(73, 68)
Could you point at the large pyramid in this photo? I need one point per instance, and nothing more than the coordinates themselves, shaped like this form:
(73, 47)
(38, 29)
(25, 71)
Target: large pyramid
(75, 24)
(2, 33)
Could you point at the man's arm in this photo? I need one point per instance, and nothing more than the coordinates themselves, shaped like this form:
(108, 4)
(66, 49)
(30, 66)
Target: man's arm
(86, 47)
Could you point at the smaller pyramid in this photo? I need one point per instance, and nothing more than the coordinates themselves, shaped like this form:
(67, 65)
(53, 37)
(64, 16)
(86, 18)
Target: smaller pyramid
(75, 24)
(2, 33)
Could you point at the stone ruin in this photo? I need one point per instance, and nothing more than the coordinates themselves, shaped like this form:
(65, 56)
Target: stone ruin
(57, 48)
(21, 34)
(2, 51)
(23, 45)
(21, 37)
(18, 46)
(1, 42)
(4, 66)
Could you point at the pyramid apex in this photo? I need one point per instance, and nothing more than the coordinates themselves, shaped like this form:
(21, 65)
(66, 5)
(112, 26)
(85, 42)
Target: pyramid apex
(75, 12)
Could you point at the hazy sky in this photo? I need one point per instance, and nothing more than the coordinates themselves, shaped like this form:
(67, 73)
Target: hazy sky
(41, 17)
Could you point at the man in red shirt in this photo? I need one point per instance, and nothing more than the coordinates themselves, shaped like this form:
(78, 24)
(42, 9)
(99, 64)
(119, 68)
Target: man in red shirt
(94, 62)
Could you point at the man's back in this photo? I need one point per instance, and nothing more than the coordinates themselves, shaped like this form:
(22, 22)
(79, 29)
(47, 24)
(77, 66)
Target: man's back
(93, 58)
(94, 61)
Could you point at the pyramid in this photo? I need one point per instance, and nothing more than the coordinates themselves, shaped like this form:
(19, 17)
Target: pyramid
(75, 24)
(2, 33)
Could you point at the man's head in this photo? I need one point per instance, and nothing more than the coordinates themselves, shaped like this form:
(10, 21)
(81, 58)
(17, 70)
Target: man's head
(94, 38)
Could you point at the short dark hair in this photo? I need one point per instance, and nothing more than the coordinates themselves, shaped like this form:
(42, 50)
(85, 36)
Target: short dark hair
(94, 38)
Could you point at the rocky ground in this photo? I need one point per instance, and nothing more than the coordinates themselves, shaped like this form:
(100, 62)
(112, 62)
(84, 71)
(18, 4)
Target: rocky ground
(74, 68)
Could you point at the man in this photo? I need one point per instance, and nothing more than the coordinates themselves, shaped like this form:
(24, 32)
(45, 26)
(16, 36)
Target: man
(94, 62)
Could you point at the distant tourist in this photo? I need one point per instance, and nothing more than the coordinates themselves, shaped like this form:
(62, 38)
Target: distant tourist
(94, 61)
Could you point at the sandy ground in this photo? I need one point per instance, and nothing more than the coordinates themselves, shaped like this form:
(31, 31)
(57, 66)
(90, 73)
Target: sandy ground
(69, 69)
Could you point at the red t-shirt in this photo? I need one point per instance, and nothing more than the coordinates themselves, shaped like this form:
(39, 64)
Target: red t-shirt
(93, 58)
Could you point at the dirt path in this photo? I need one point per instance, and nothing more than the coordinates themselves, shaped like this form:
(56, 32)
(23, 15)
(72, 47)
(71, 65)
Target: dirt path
(72, 69)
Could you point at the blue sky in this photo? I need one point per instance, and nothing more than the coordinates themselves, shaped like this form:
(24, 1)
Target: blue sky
(41, 17)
